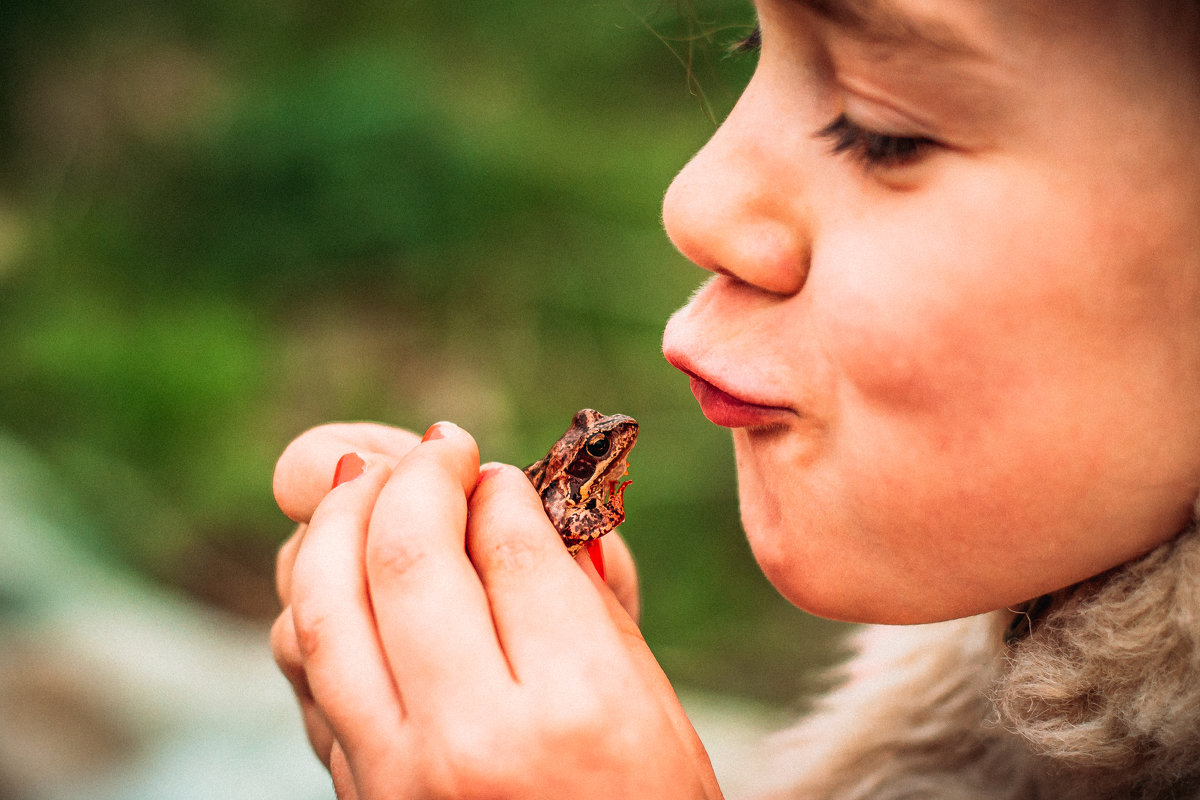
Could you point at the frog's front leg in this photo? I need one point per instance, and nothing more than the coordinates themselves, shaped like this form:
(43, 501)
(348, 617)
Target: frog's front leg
(595, 519)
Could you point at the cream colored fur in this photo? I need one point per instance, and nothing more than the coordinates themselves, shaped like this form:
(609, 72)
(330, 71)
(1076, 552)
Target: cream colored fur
(1100, 701)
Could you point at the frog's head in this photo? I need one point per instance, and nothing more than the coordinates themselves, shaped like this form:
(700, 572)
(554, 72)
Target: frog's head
(596, 451)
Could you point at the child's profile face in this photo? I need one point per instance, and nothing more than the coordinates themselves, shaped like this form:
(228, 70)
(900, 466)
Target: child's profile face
(956, 309)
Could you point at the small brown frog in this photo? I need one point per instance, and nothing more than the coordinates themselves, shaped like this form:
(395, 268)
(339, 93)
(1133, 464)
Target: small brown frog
(580, 478)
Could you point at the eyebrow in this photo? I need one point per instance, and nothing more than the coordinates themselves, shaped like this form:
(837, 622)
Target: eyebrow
(884, 25)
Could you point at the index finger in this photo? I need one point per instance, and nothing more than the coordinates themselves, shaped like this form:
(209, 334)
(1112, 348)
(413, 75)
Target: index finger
(431, 612)
(304, 473)
(549, 616)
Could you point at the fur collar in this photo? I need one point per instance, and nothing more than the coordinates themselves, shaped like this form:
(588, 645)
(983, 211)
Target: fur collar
(1100, 700)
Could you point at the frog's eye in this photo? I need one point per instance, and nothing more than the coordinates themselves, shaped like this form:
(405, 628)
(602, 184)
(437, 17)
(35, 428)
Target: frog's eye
(597, 446)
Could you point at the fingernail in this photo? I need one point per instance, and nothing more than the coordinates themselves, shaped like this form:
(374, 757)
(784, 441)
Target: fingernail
(437, 430)
(596, 551)
(488, 470)
(349, 467)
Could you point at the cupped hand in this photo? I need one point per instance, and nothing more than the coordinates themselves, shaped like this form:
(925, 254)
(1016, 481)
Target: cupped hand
(443, 644)
(305, 472)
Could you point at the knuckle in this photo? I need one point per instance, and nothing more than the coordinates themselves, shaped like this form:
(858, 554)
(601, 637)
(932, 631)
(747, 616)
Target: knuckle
(286, 650)
(393, 558)
(513, 756)
(571, 721)
(469, 766)
(470, 756)
(311, 632)
(283, 633)
(515, 553)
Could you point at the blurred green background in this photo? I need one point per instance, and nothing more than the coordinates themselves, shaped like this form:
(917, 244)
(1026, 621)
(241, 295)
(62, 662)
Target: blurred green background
(224, 222)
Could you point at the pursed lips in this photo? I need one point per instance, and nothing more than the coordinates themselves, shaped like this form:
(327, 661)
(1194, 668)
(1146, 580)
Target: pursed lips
(728, 409)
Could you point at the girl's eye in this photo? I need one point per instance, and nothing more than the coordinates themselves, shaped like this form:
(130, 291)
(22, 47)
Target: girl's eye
(874, 149)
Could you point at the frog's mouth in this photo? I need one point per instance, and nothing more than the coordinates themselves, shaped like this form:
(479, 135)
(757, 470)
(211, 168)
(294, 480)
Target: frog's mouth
(607, 486)
(611, 486)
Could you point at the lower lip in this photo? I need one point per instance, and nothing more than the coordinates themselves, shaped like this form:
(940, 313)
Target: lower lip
(722, 408)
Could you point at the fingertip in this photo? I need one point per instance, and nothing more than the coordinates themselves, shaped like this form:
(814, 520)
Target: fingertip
(495, 469)
(349, 467)
(504, 483)
(291, 485)
(303, 477)
(302, 474)
(440, 430)
(446, 438)
(593, 567)
(348, 504)
(622, 574)
(615, 574)
(505, 511)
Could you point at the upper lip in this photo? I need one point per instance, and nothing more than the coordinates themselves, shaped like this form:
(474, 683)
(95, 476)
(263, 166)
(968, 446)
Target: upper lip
(686, 366)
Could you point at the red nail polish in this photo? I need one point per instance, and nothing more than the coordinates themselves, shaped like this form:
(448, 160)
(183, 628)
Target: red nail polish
(436, 431)
(596, 551)
(349, 467)
(486, 471)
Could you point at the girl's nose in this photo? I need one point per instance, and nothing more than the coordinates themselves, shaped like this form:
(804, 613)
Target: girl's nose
(736, 209)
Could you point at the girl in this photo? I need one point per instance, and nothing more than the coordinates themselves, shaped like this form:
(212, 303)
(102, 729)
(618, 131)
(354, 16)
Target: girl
(954, 324)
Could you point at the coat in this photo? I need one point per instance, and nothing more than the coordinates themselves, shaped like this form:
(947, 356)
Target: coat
(1099, 698)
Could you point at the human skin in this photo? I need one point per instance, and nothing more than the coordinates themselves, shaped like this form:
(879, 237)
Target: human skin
(980, 360)
(973, 361)
(443, 644)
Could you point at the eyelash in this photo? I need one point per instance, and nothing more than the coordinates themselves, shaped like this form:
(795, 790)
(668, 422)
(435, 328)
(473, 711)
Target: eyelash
(870, 148)
(751, 44)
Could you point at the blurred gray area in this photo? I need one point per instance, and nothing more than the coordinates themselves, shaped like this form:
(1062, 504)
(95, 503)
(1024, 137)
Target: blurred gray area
(112, 689)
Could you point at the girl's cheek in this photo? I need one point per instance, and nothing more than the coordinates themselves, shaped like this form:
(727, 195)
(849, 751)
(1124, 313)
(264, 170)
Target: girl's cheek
(892, 350)
(929, 325)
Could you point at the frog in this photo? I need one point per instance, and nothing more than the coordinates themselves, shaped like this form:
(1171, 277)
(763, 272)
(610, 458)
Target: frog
(579, 480)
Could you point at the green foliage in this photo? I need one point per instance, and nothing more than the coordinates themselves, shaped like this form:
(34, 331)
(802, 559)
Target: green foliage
(222, 222)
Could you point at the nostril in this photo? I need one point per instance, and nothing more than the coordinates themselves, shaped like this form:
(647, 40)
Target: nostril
(776, 255)
(757, 249)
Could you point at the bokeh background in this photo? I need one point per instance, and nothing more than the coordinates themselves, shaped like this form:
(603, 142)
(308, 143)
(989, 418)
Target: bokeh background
(223, 222)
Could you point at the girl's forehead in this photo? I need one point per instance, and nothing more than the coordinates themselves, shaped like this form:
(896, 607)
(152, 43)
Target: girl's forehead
(987, 28)
(888, 23)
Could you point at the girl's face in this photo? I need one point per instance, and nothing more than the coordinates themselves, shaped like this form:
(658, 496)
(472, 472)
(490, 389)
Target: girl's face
(955, 316)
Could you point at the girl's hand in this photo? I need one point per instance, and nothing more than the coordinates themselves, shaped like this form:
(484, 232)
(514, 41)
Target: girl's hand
(444, 645)
(305, 474)
(303, 477)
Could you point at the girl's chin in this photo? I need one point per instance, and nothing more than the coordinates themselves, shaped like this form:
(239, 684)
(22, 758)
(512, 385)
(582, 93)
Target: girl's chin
(803, 578)
(812, 574)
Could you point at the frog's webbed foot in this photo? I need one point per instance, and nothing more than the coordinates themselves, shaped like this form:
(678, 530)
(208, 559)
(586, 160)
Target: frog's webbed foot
(615, 495)
(596, 518)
